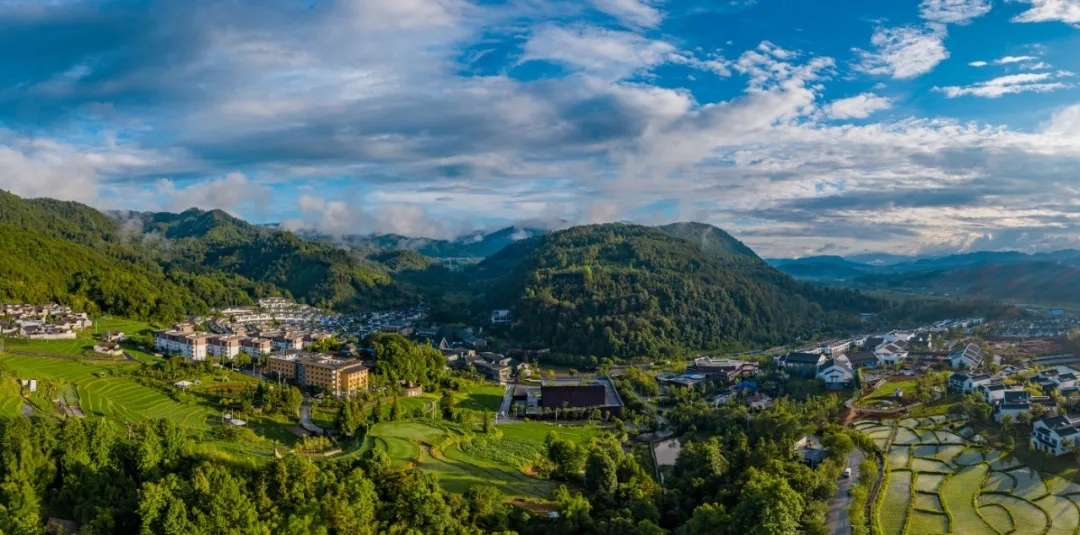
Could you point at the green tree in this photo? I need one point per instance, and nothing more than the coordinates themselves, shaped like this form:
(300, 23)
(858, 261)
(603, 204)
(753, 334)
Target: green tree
(767, 506)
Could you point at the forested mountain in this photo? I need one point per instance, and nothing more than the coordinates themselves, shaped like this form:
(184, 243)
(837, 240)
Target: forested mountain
(1030, 282)
(711, 240)
(624, 290)
(163, 266)
(473, 245)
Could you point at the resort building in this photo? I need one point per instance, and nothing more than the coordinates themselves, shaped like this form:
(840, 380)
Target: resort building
(226, 347)
(184, 341)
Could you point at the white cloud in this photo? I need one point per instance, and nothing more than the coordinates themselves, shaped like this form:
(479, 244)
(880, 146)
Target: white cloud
(606, 53)
(1013, 59)
(978, 64)
(632, 13)
(857, 107)
(1005, 85)
(1064, 123)
(234, 193)
(1067, 11)
(954, 11)
(1037, 66)
(904, 52)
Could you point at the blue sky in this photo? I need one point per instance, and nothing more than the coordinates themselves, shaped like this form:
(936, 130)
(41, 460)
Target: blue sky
(825, 127)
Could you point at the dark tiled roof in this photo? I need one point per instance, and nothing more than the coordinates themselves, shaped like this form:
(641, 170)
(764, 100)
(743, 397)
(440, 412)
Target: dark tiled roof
(802, 358)
(575, 396)
(860, 357)
(829, 363)
(970, 351)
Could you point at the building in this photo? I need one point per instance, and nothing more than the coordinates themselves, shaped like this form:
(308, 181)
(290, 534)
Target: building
(1057, 436)
(835, 348)
(501, 317)
(726, 369)
(968, 357)
(256, 346)
(802, 363)
(109, 348)
(340, 377)
(600, 394)
(496, 371)
(836, 374)
(862, 359)
(288, 342)
(282, 366)
(224, 347)
(964, 383)
(184, 341)
(891, 352)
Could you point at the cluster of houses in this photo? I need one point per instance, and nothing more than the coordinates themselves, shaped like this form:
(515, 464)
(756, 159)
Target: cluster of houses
(183, 340)
(834, 364)
(42, 322)
(495, 366)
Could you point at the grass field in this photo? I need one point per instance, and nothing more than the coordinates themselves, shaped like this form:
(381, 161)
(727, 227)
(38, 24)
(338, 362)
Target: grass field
(84, 340)
(10, 401)
(461, 460)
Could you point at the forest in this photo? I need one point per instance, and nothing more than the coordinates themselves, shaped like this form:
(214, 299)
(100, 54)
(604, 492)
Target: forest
(732, 478)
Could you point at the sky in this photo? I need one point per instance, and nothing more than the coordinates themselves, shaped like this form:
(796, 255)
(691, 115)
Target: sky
(824, 127)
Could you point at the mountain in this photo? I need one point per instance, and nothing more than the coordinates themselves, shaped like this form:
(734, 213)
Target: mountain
(710, 239)
(474, 245)
(1029, 282)
(626, 290)
(821, 267)
(165, 265)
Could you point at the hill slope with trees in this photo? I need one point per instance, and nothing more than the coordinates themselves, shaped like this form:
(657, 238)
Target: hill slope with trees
(625, 290)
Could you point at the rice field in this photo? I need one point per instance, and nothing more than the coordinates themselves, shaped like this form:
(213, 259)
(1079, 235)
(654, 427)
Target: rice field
(461, 461)
(966, 489)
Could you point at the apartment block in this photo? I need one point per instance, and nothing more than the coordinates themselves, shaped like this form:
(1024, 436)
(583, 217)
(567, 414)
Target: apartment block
(226, 347)
(183, 341)
(338, 376)
(256, 346)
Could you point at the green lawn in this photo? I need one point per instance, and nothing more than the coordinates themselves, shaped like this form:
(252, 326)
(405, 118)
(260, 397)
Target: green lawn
(11, 401)
(886, 391)
(128, 327)
(482, 398)
(68, 348)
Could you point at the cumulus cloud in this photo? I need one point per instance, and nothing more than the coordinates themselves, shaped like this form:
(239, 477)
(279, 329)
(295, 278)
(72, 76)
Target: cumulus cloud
(1006, 85)
(904, 52)
(607, 53)
(978, 64)
(232, 193)
(1067, 11)
(430, 126)
(857, 107)
(633, 13)
(954, 11)
(1013, 59)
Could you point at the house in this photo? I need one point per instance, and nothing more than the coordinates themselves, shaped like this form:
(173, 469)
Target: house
(891, 353)
(923, 340)
(113, 336)
(964, 383)
(109, 348)
(493, 370)
(1057, 435)
(968, 357)
(862, 359)
(501, 317)
(600, 394)
(993, 392)
(802, 363)
(873, 343)
(836, 374)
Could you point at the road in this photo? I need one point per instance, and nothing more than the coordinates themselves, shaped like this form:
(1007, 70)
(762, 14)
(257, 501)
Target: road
(838, 521)
(305, 419)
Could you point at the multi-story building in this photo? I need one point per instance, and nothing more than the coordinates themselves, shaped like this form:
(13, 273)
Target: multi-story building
(256, 346)
(226, 347)
(183, 341)
(289, 342)
(282, 366)
(340, 377)
(1058, 435)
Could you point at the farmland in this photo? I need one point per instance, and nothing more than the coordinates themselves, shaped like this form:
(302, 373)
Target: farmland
(939, 483)
(461, 459)
(84, 342)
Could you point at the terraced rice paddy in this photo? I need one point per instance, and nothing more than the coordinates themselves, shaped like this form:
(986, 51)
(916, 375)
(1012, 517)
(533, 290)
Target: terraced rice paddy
(103, 394)
(445, 452)
(966, 489)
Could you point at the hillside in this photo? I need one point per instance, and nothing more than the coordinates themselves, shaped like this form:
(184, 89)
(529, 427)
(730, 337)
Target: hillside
(711, 239)
(175, 264)
(626, 290)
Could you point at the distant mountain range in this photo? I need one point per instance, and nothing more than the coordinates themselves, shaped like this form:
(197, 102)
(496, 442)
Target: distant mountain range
(475, 245)
(1039, 278)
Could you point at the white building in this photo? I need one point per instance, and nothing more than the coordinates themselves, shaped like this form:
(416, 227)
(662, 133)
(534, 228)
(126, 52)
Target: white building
(964, 383)
(501, 317)
(225, 347)
(1058, 435)
(891, 353)
(182, 341)
(836, 374)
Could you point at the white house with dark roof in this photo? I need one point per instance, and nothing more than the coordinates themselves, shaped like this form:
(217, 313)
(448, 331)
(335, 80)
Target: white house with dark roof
(1058, 435)
(964, 383)
(836, 374)
(968, 357)
(862, 359)
(891, 353)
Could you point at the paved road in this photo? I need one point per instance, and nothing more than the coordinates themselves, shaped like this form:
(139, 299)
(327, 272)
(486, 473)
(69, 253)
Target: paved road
(305, 419)
(838, 521)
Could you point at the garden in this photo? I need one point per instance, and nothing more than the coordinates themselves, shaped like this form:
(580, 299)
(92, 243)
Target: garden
(940, 478)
